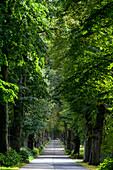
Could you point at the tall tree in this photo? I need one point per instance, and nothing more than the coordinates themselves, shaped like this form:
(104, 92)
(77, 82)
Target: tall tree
(20, 43)
(86, 58)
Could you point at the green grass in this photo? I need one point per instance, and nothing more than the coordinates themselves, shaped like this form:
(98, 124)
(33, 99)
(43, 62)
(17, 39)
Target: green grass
(85, 164)
(81, 155)
(31, 158)
(11, 168)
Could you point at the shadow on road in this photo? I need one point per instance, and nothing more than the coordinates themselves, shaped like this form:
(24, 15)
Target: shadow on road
(53, 158)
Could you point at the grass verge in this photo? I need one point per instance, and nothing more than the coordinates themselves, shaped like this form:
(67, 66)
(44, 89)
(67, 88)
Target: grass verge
(10, 168)
(85, 164)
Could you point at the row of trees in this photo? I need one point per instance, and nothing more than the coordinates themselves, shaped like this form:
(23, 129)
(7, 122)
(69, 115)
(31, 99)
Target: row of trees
(23, 88)
(68, 94)
(82, 54)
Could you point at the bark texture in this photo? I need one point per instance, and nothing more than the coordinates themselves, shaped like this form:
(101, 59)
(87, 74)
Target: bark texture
(97, 136)
(77, 144)
(65, 135)
(87, 149)
(26, 139)
(69, 140)
(88, 134)
(16, 129)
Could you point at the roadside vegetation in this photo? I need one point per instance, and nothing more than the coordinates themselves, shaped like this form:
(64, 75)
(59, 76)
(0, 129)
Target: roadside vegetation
(56, 78)
(14, 160)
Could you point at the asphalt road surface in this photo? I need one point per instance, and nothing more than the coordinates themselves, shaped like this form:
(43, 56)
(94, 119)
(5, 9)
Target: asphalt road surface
(53, 158)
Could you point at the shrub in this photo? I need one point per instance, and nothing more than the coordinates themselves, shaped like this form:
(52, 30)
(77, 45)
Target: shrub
(14, 155)
(107, 164)
(48, 139)
(41, 148)
(35, 151)
(12, 158)
(24, 154)
(2, 159)
(9, 161)
(29, 150)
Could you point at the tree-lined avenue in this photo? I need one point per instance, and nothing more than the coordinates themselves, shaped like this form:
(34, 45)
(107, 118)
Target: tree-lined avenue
(53, 158)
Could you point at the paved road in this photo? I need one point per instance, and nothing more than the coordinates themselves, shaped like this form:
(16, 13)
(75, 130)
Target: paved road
(53, 158)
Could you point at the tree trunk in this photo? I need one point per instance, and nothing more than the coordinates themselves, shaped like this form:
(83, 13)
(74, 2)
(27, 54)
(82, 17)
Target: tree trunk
(16, 129)
(62, 137)
(95, 148)
(3, 128)
(87, 149)
(39, 138)
(36, 145)
(65, 135)
(31, 141)
(26, 139)
(69, 140)
(3, 115)
(77, 144)
(88, 134)
(72, 142)
(44, 136)
(97, 136)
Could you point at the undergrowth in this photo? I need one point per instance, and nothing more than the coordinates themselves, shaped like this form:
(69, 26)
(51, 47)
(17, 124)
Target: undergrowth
(14, 160)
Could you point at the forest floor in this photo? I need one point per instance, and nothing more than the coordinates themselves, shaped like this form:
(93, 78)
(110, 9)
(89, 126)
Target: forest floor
(53, 158)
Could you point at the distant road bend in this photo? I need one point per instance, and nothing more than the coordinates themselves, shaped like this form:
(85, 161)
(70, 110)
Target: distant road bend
(53, 158)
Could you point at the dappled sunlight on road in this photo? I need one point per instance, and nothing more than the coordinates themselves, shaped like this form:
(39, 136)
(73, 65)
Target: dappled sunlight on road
(53, 158)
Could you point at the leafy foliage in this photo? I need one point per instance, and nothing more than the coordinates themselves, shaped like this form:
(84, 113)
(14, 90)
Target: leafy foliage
(107, 164)
(24, 154)
(82, 53)
(35, 151)
(66, 87)
(12, 158)
(2, 159)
